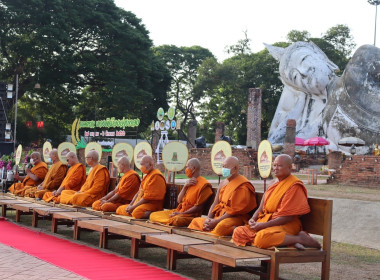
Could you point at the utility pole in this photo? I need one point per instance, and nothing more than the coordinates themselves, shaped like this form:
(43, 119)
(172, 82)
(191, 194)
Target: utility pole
(376, 3)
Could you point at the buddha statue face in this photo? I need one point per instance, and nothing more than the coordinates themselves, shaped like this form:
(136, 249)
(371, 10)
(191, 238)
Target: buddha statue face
(304, 67)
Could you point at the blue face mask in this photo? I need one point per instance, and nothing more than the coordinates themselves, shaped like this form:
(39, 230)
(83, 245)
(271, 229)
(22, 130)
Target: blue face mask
(226, 172)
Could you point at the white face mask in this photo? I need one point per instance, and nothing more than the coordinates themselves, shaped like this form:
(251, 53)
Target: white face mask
(49, 160)
(32, 161)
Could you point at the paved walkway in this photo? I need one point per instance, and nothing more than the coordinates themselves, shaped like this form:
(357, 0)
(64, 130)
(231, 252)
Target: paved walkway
(17, 265)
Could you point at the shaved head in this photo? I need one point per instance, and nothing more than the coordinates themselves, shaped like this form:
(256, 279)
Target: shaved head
(195, 163)
(35, 155)
(285, 159)
(53, 153)
(94, 155)
(148, 163)
(231, 162)
(71, 155)
(282, 166)
(124, 160)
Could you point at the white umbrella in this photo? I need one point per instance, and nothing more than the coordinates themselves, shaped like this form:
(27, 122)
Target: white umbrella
(349, 141)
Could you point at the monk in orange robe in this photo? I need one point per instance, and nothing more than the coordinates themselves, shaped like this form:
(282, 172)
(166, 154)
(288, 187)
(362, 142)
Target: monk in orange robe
(34, 176)
(53, 178)
(276, 222)
(74, 180)
(234, 199)
(191, 199)
(151, 194)
(94, 188)
(125, 190)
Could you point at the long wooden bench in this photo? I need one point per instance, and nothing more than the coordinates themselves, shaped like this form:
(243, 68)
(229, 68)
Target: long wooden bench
(317, 222)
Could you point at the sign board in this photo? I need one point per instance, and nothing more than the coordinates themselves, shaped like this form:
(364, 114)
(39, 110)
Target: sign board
(141, 149)
(120, 150)
(18, 154)
(174, 156)
(160, 114)
(63, 149)
(264, 159)
(171, 113)
(46, 149)
(93, 146)
(219, 152)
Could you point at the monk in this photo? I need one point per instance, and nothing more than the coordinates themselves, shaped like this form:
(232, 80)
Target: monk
(234, 199)
(151, 194)
(125, 190)
(34, 176)
(94, 188)
(75, 178)
(276, 222)
(191, 199)
(53, 178)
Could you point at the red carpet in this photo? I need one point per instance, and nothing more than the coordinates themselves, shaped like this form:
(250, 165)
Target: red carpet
(84, 261)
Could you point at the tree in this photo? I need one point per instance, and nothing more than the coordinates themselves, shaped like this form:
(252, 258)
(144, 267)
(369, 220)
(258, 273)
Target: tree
(296, 36)
(225, 89)
(183, 63)
(340, 37)
(241, 47)
(68, 46)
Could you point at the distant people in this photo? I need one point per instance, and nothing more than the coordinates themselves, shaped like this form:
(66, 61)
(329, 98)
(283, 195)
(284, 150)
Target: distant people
(191, 200)
(276, 222)
(74, 179)
(151, 194)
(234, 199)
(34, 175)
(53, 178)
(94, 188)
(124, 191)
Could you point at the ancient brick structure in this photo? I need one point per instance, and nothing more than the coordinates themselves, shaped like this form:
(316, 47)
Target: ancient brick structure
(254, 118)
(360, 170)
(290, 138)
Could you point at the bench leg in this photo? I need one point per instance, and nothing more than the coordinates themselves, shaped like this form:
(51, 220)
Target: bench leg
(4, 210)
(325, 273)
(104, 238)
(76, 231)
(171, 259)
(18, 216)
(265, 266)
(217, 271)
(35, 219)
(274, 269)
(134, 248)
(54, 225)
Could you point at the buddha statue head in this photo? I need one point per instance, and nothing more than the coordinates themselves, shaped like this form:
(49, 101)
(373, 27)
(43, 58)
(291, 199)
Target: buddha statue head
(304, 67)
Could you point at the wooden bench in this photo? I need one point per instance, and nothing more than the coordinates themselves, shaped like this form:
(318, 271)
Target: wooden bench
(43, 213)
(318, 222)
(69, 218)
(25, 208)
(4, 202)
(136, 233)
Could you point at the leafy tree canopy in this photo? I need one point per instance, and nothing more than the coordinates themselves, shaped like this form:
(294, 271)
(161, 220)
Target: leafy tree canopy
(84, 54)
(183, 64)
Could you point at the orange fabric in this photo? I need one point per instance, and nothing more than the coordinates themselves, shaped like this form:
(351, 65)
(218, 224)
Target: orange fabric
(195, 195)
(285, 198)
(53, 179)
(128, 186)
(153, 188)
(75, 178)
(40, 170)
(236, 198)
(93, 189)
(126, 189)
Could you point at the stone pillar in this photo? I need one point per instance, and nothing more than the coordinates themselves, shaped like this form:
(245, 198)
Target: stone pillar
(219, 130)
(335, 159)
(290, 138)
(192, 133)
(254, 118)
